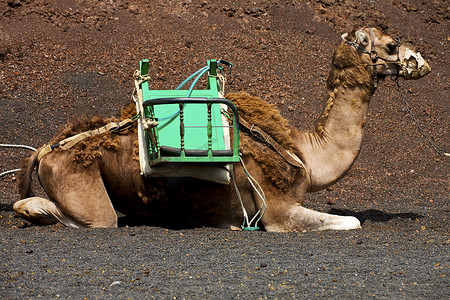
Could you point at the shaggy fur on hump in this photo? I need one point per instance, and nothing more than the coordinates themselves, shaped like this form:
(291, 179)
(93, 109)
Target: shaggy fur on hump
(257, 111)
(253, 109)
(87, 150)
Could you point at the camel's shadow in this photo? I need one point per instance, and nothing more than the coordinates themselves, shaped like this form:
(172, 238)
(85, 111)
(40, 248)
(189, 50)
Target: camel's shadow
(6, 207)
(372, 215)
(375, 215)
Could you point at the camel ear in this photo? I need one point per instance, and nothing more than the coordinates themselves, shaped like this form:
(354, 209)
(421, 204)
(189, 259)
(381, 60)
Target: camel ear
(344, 37)
(362, 37)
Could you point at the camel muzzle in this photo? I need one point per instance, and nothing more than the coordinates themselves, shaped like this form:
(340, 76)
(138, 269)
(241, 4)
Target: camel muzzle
(413, 66)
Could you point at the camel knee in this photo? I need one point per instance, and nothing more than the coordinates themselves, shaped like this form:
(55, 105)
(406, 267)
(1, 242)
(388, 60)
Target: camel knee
(42, 211)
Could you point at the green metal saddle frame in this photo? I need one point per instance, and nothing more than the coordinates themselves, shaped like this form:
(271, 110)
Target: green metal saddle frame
(194, 126)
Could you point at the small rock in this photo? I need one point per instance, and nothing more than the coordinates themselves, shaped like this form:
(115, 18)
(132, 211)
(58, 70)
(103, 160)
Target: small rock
(14, 3)
(134, 9)
(115, 283)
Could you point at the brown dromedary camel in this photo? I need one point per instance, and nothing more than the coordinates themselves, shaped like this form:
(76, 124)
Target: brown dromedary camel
(99, 175)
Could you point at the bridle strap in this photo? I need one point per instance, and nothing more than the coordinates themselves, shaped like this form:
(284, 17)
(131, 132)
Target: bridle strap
(373, 55)
(75, 139)
(263, 137)
(373, 58)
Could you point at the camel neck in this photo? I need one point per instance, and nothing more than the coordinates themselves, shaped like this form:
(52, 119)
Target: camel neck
(330, 150)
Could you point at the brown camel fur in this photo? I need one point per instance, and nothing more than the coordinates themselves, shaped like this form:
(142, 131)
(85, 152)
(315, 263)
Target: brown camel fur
(89, 182)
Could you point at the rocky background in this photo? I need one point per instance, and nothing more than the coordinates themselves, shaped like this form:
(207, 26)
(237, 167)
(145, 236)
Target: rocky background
(63, 59)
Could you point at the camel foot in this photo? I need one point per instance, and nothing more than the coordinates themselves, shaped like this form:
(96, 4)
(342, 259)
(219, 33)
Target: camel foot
(42, 211)
(301, 219)
(342, 223)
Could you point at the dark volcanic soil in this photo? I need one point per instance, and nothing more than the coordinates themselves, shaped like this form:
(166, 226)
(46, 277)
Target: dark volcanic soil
(63, 59)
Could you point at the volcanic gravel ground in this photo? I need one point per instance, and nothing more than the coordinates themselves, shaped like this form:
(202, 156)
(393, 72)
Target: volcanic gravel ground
(64, 59)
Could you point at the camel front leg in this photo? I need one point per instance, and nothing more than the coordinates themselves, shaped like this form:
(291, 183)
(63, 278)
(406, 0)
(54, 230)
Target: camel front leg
(77, 193)
(42, 211)
(300, 219)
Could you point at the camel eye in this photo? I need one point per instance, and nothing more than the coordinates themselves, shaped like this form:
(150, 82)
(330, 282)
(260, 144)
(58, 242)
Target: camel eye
(392, 46)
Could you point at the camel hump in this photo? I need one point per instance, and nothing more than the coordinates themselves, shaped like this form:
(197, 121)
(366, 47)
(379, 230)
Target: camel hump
(266, 116)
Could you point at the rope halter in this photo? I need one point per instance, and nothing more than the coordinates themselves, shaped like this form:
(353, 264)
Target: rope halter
(374, 57)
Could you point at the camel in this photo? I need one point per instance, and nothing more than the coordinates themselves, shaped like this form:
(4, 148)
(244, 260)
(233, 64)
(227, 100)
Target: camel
(88, 183)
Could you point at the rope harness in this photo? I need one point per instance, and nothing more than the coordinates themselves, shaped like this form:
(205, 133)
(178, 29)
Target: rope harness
(374, 58)
(263, 137)
(289, 157)
(434, 146)
(247, 224)
(73, 140)
(373, 55)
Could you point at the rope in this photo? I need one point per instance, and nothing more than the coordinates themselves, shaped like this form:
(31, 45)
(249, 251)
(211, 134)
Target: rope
(223, 80)
(10, 171)
(73, 140)
(260, 193)
(190, 77)
(140, 78)
(373, 55)
(238, 194)
(290, 157)
(434, 146)
(172, 117)
(14, 146)
(18, 146)
(246, 225)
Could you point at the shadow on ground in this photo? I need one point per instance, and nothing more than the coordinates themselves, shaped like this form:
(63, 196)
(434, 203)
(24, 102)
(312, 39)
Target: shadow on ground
(6, 207)
(375, 215)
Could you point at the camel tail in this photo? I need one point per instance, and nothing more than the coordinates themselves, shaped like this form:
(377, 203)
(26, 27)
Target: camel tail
(27, 166)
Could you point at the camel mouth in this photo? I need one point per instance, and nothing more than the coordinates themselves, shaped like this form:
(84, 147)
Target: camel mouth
(413, 66)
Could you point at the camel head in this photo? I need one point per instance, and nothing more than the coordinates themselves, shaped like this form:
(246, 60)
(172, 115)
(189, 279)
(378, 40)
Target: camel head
(387, 56)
